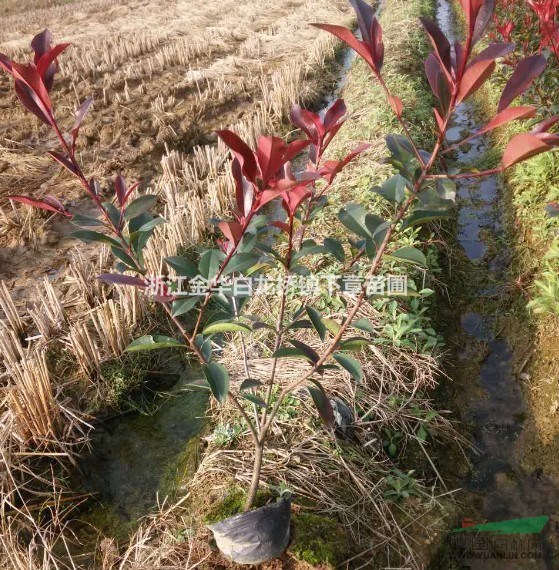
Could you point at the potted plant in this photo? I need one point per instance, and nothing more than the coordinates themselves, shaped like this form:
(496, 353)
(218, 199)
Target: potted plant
(422, 189)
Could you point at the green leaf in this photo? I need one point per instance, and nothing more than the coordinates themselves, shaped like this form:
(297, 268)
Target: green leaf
(288, 352)
(300, 324)
(352, 365)
(182, 306)
(309, 352)
(218, 379)
(87, 221)
(352, 217)
(410, 254)
(308, 250)
(140, 205)
(332, 325)
(205, 346)
(255, 400)
(88, 236)
(148, 226)
(240, 262)
(152, 342)
(373, 223)
(334, 247)
(421, 433)
(446, 189)
(364, 325)
(226, 327)
(250, 383)
(355, 343)
(424, 216)
(316, 320)
(113, 212)
(394, 189)
(123, 256)
(182, 266)
(322, 403)
(209, 264)
(400, 148)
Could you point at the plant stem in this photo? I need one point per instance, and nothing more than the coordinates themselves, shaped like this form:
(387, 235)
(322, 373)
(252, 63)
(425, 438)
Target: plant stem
(256, 469)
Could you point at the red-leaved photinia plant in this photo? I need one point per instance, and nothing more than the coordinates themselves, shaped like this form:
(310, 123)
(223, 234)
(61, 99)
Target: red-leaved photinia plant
(421, 190)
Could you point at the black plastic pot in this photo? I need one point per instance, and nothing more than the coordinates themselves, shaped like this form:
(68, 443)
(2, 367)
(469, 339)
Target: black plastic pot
(256, 536)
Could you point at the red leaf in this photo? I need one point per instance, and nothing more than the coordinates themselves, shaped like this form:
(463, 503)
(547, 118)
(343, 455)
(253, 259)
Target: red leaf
(396, 104)
(523, 76)
(269, 152)
(439, 119)
(474, 77)
(130, 190)
(521, 147)
(63, 160)
(31, 102)
(281, 225)
(365, 18)
(269, 195)
(346, 36)
(241, 151)
(483, 19)
(432, 71)
(308, 122)
(506, 116)
(544, 126)
(47, 65)
(244, 190)
(294, 148)
(377, 47)
(120, 190)
(79, 115)
(439, 41)
(335, 113)
(49, 203)
(293, 198)
(493, 52)
(233, 231)
(41, 43)
(31, 77)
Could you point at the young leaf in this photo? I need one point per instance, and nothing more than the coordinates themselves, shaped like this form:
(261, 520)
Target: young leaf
(364, 325)
(225, 327)
(355, 343)
(352, 365)
(521, 147)
(523, 76)
(49, 203)
(218, 379)
(316, 320)
(474, 77)
(152, 342)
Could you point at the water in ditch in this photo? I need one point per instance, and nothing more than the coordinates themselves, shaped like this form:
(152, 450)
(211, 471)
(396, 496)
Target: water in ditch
(497, 488)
